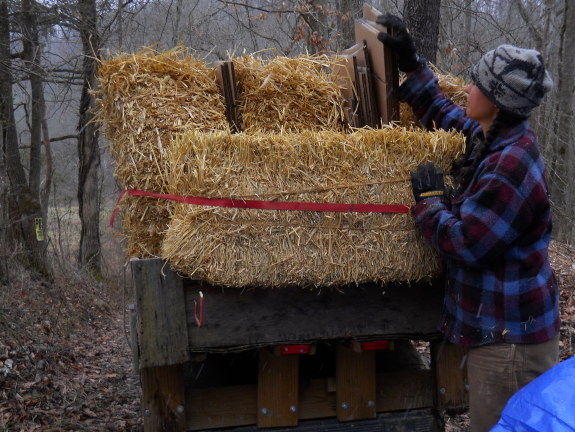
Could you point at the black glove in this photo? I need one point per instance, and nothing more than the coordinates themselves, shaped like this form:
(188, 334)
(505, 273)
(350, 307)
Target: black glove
(427, 182)
(400, 42)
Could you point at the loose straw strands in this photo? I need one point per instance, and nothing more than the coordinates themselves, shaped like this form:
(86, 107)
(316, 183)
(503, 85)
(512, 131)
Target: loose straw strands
(453, 87)
(144, 99)
(244, 247)
(288, 94)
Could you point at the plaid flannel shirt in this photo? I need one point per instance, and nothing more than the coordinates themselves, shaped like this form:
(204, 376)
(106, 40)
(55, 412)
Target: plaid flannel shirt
(493, 238)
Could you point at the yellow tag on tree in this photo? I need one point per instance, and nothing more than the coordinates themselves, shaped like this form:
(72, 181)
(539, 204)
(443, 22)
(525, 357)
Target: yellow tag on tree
(39, 230)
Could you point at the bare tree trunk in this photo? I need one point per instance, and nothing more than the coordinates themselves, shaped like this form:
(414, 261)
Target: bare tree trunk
(467, 48)
(422, 18)
(314, 14)
(176, 35)
(47, 184)
(88, 149)
(32, 59)
(120, 26)
(535, 31)
(10, 166)
(5, 246)
(348, 11)
(25, 223)
(563, 168)
(11, 153)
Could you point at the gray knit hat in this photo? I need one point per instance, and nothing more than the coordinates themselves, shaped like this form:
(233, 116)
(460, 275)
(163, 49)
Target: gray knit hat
(513, 78)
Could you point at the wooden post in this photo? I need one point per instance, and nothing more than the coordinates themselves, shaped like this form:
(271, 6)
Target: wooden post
(163, 398)
(449, 364)
(161, 323)
(163, 343)
(134, 344)
(356, 384)
(278, 379)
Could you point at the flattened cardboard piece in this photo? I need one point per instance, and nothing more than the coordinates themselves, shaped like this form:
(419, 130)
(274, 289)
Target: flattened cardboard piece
(368, 98)
(366, 32)
(343, 73)
(219, 78)
(347, 76)
(390, 76)
(384, 72)
(343, 76)
(384, 92)
(356, 50)
(370, 13)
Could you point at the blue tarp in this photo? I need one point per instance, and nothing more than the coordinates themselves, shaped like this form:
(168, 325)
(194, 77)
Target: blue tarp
(547, 404)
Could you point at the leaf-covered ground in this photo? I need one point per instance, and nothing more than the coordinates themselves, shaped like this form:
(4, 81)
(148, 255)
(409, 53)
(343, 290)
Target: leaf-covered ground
(65, 361)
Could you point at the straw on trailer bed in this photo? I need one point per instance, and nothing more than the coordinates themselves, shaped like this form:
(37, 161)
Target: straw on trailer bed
(145, 99)
(288, 94)
(244, 247)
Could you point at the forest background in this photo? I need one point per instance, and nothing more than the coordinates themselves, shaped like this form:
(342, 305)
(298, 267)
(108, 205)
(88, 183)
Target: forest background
(64, 357)
(55, 171)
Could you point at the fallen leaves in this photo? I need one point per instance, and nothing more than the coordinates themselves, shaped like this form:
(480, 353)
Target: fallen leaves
(78, 375)
(64, 365)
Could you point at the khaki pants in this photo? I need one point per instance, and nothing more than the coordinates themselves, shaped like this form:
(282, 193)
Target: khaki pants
(495, 372)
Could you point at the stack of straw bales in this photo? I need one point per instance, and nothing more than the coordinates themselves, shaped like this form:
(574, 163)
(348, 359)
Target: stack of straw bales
(245, 247)
(145, 99)
(165, 120)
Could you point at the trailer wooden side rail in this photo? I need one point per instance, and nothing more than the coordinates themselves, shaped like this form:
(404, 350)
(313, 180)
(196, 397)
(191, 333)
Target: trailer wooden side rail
(288, 358)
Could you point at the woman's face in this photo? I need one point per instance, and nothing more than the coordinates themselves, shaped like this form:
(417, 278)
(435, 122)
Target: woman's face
(479, 107)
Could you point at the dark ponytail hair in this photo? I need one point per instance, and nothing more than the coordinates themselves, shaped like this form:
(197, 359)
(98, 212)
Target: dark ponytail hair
(464, 167)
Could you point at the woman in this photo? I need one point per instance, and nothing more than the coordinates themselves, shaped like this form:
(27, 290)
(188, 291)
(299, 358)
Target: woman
(501, 299)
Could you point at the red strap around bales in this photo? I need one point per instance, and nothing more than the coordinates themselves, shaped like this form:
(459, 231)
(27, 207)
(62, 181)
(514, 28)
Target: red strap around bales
(268, 205)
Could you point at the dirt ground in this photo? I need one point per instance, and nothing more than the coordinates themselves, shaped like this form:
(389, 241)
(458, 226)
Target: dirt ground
(65, 361)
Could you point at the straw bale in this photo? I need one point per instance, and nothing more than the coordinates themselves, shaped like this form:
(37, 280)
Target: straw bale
(454, 88)
(147, 97)
(144, 222)
(144, 99)
(247, 247)
(288, 94)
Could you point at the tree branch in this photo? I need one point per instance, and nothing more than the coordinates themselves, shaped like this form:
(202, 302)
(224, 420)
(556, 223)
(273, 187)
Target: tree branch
(261, 9)
(64, 137)
(535, 32)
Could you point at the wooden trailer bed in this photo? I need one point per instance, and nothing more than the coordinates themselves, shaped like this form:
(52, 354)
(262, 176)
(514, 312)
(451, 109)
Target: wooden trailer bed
(288, 358)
